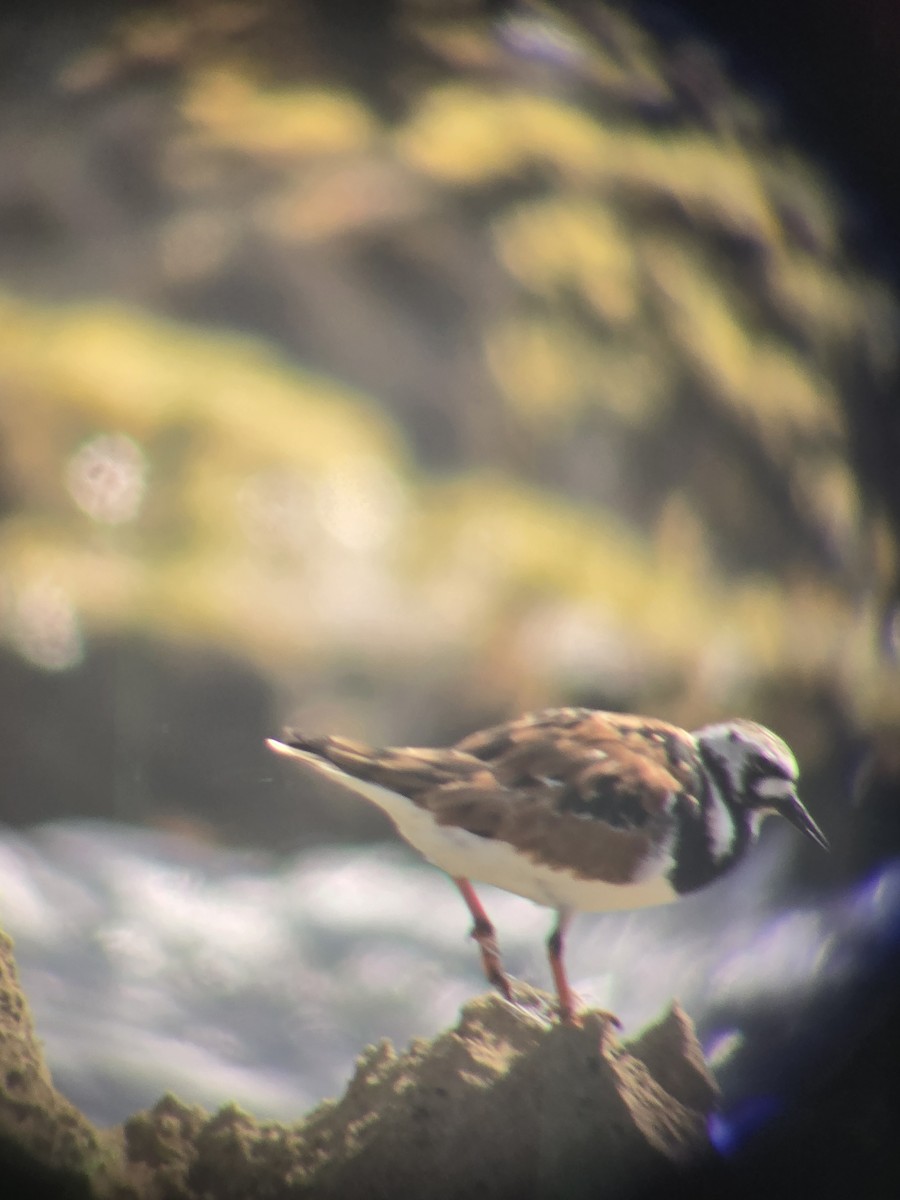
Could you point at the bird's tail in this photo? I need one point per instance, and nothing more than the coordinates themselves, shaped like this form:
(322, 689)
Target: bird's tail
(404, 769)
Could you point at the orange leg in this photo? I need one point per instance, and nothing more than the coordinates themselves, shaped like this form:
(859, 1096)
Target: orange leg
(485, 935)
(555, 947)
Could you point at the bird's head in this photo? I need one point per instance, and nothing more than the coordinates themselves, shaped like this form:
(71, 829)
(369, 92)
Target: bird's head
(755, 770)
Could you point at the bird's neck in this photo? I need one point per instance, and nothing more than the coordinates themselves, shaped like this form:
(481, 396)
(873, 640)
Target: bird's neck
(717, 837)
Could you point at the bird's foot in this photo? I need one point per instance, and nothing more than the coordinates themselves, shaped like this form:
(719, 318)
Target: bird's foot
(575, 1014)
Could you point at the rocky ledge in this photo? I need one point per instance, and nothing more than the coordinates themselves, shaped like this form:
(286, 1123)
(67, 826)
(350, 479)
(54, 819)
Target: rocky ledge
(504, 1104)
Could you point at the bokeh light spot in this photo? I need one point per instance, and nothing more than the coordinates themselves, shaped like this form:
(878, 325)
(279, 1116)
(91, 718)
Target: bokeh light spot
(43, 626)
(106, 478)
(360, 504)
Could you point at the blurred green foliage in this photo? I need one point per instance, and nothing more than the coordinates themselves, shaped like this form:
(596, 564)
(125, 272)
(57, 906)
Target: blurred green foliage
(278, 517)
(507, 363)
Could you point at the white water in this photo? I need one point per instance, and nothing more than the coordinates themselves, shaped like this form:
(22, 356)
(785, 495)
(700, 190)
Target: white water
(153, 963)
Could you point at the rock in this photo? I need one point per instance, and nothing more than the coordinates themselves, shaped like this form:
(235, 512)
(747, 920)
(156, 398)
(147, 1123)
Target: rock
(42, 1135)
(671, 1053)
(504, 1104)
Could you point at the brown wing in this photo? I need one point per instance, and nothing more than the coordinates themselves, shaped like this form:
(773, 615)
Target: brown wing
(590, 791)
(596, 792)
(610, 766)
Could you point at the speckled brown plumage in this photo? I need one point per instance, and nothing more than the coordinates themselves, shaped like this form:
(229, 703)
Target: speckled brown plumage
(576, 809)
(587, 791)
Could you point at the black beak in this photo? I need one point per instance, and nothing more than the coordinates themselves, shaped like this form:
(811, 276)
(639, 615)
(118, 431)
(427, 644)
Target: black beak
(792, 810)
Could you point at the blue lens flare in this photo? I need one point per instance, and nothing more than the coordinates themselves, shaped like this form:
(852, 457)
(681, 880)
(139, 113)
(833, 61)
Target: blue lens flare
(729, 1132)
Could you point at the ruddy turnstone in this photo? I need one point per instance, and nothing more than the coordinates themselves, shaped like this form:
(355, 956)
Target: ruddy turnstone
(579, 810)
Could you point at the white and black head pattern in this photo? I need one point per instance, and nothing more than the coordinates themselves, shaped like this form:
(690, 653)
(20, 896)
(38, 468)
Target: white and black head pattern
(744, 756)
(755, 773)
(749, 773)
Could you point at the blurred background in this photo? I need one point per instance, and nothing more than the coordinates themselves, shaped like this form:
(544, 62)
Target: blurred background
(390, 369)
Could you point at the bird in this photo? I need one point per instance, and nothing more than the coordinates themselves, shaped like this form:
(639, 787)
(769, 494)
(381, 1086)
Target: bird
(576, 809)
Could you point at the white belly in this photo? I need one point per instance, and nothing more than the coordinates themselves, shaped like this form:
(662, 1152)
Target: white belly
(488, 860)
